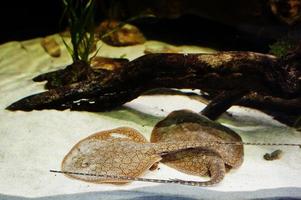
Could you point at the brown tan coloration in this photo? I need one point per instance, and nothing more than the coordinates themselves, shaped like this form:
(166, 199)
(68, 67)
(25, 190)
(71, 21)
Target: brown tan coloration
(121, 152)
(110, 64)
(124, 152)
(119, 34)
(288, 11)
(184, 125)
(199, 162)
(51, 46)
(115, 152)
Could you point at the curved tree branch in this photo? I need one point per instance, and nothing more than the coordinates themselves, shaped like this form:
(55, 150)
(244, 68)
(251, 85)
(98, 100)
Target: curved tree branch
(235, 74)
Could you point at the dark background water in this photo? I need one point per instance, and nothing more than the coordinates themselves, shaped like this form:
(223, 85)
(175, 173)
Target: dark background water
(22, 20)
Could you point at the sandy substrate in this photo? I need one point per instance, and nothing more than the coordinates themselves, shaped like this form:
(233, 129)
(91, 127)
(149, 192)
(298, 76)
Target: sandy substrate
(32, 143)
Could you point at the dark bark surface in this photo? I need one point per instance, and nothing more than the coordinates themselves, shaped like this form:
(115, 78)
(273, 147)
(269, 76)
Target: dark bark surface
(222, 102)
(230, 74)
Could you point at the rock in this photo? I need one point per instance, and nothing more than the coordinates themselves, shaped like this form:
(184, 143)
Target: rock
(126, 35)
(275, 155)
(51, 46)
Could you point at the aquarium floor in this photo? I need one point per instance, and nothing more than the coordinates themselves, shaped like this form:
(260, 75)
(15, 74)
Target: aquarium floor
(32, 143)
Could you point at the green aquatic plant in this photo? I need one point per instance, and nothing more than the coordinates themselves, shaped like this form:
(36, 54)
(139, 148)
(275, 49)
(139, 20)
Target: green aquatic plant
(80, 16)
(282, 46)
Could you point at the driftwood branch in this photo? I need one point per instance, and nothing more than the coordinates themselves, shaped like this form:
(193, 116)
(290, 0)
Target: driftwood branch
(286, 111)
(232, 75)
(222, 102)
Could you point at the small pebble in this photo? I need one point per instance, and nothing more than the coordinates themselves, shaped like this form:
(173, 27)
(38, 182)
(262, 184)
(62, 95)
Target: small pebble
(51, 46)
(275, 155)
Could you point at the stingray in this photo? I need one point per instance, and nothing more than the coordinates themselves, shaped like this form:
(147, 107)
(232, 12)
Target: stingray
(184, 125)
(183, 140)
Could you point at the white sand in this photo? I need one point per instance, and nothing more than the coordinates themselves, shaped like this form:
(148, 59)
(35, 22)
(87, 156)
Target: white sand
(32, 143)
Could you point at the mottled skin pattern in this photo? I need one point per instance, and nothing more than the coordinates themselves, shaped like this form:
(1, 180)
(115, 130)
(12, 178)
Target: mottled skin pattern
(113, 152)
(184, 125)
(125, 152)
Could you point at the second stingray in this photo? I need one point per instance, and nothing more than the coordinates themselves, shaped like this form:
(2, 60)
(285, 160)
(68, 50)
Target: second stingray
(184, 125)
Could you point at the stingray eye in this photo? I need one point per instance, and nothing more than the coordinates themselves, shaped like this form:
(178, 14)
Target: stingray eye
(81, 162)
(85, 164)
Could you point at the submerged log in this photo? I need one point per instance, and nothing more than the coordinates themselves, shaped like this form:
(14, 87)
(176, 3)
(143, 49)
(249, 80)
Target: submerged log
(233, 74)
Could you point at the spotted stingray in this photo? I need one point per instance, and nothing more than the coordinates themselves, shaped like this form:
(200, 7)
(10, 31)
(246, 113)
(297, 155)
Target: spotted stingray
(184, 140)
